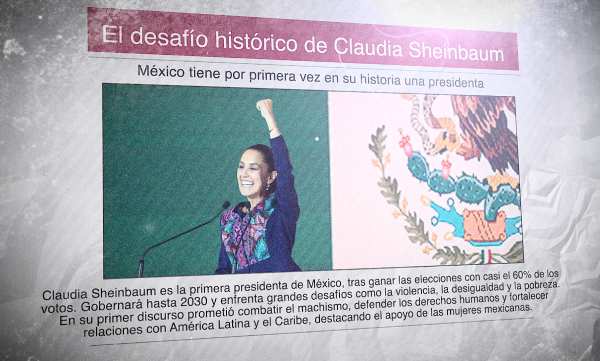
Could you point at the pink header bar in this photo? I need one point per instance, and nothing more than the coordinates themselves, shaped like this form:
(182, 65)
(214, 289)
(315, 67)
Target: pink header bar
(168, 33)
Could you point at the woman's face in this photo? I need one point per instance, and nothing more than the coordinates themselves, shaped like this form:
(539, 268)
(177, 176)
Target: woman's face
(253, 174)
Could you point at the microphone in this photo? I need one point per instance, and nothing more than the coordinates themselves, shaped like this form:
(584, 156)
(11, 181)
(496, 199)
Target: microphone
(225, 205)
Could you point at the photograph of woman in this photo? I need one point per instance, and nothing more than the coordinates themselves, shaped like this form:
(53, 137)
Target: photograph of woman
(258, 235)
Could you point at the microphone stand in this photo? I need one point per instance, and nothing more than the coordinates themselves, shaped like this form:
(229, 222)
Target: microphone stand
(141, 262)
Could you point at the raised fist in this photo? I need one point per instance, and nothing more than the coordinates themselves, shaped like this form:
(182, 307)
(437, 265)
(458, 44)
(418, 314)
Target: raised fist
(265, 106)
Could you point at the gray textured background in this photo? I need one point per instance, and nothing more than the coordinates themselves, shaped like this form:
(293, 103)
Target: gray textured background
(50, 194)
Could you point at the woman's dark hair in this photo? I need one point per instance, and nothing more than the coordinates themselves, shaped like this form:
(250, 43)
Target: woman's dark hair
(267, 155)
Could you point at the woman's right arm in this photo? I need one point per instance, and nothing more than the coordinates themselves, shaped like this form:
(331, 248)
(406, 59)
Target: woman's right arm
(224, 266)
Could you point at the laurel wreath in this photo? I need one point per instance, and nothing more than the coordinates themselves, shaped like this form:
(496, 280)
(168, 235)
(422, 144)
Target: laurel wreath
(415, 227)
